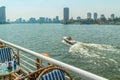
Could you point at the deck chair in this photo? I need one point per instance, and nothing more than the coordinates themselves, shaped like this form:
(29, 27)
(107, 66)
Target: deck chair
(54, 73)
(7, 54)
(51, 72)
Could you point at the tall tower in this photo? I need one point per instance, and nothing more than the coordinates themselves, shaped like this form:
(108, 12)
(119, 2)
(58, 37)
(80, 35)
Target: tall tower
(2, 15)
(95, 16)
(66, 14)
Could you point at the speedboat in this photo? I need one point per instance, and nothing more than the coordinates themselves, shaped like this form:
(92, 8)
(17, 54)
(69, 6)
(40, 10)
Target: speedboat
(69, 40)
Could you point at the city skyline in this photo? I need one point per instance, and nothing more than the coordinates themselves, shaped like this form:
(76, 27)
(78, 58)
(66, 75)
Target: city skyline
(29, 8)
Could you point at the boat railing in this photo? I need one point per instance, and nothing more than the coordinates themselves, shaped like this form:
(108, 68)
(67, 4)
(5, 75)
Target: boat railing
(27, 58)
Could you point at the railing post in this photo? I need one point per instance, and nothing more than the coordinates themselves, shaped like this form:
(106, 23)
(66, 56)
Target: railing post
(18, 56)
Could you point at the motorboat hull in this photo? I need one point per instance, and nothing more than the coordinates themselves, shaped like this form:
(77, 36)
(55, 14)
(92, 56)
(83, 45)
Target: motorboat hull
(69, 41)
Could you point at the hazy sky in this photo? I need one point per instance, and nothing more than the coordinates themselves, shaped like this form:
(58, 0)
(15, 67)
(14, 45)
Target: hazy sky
(52, 8)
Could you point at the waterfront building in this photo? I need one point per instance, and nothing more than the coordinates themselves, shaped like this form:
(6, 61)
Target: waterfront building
(24, 21)
(47, 20)
(78, 18)
(66, 14)
(112, 16)
(88, 15)
(8, 20)
(103, 19)
(32, 20)
(54, 20)
(102, 16)
(95, 16)
(57, 19)
(50, 20)
(19, 20)
(42, 20)
(2, 15)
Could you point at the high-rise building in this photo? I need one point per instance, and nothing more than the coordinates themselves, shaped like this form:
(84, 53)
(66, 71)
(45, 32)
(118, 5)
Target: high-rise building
(88, 15)
(66, 14)
(95, 16)
(2, 15)
(112, 16)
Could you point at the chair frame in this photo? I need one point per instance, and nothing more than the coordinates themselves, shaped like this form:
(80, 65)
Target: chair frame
(54, 68)
(42, 71)
(34, 73)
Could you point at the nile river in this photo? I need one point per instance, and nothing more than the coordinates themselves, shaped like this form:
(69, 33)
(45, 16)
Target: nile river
(98, 50)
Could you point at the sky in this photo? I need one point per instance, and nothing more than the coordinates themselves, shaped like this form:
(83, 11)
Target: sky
(51, 8)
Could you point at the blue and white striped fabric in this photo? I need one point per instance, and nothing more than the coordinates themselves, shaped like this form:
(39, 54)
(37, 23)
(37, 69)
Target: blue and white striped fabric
(5, 55)
(54, 75)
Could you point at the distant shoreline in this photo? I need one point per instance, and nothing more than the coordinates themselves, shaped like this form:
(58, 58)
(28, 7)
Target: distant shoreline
(62, 23)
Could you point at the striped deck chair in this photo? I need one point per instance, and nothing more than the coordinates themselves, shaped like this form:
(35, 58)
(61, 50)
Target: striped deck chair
(54, 73)
(6, 54)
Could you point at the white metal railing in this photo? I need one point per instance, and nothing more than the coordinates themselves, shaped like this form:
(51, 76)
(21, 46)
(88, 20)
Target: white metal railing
(81, 73)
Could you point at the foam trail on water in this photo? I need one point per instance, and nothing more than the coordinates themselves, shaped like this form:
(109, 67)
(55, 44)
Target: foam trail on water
(98, 54)
(89, 49)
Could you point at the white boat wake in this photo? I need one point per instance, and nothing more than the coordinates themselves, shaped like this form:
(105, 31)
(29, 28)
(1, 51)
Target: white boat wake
(97, 54)
(88, 49)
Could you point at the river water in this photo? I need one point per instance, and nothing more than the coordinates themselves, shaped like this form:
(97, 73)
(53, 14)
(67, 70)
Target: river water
(97, 51)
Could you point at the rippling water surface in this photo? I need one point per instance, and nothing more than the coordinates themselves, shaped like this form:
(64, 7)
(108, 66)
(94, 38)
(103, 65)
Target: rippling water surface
(97, 50)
